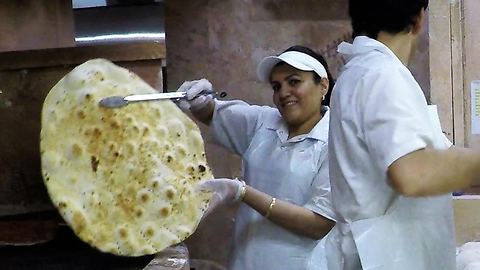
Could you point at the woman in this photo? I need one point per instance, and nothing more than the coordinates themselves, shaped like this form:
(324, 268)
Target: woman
(287, 205)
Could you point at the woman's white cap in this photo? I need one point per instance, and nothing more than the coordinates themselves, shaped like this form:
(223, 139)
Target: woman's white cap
(298, 60)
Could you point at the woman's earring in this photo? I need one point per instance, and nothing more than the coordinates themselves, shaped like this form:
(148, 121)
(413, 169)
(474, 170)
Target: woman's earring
(323, 97)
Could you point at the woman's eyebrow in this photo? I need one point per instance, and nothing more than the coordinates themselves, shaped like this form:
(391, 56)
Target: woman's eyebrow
(286, 78)
(291, 75)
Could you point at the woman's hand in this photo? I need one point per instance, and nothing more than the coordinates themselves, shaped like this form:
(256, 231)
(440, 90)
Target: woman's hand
(224, 191)
(201, 106)
(194, 100)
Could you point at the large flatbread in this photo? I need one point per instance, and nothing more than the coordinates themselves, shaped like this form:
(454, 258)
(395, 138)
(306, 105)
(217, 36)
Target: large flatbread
(122, 178)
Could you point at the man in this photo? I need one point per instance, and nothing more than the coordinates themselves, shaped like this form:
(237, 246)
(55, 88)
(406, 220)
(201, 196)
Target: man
(390, 169)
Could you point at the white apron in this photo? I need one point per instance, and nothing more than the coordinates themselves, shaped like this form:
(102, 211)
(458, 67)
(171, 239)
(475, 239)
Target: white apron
(393, 241)
(285, 171)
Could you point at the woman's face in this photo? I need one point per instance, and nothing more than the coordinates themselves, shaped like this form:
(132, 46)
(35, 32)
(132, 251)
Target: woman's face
(296, 95)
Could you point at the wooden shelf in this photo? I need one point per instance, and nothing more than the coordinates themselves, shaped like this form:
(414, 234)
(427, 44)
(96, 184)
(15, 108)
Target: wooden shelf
(76, 55)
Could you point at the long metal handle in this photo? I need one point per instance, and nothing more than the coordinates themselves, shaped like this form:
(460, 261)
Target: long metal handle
(170, 95)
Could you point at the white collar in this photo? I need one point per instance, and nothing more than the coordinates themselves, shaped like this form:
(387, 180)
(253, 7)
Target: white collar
(319, 131)
(364, 44)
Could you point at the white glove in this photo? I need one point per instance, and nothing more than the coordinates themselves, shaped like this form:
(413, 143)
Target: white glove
(224, 190)
(194, 101)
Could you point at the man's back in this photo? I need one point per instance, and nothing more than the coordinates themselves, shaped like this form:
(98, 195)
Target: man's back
(362, 122)
(378, 115)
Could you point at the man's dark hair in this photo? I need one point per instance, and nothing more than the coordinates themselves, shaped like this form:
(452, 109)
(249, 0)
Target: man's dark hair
(369, 17)
(316, 77)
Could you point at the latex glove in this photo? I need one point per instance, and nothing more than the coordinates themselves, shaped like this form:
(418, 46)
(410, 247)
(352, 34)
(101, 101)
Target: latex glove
(224, 190)
(193, 101)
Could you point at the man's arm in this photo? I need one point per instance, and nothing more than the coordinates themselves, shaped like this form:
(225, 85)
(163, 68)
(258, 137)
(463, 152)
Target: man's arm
(429, 172)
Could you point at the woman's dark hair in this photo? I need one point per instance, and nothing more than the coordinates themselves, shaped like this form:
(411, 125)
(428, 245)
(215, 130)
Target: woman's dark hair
(369, 17)
(316, 77)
